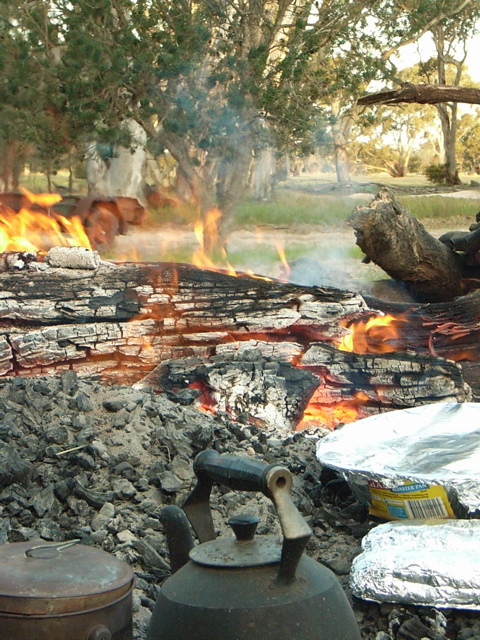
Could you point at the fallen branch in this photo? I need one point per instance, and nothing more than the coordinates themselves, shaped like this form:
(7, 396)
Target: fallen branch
(422, 94)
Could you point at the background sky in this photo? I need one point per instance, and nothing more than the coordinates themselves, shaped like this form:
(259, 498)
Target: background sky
(408, 55)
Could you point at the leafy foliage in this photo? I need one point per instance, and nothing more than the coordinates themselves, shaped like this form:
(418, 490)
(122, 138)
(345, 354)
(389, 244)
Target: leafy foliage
(435, 173)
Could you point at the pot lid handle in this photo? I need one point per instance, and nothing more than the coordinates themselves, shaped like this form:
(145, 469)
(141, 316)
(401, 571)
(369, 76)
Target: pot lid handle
(52, 550)
(246, 474)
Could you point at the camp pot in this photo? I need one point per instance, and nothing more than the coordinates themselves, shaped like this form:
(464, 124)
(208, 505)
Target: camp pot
(60, 591)
(246, 587)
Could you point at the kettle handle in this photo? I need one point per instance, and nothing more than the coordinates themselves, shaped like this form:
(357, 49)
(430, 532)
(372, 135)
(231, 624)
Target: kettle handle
(245, 474)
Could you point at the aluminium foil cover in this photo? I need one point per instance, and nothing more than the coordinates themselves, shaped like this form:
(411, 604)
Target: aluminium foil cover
(415, 463)
(432, 563)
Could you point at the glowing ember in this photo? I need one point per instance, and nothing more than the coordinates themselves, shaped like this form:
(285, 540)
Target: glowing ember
(331, 416)
(205, 401)
(34, 230)
(378, 334)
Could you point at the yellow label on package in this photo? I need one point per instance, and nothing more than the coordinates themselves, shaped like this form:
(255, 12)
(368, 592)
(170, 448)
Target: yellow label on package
(410, 501)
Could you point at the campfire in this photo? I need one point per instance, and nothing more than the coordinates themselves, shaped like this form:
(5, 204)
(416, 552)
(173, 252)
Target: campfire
(282, 355)
(115, 375)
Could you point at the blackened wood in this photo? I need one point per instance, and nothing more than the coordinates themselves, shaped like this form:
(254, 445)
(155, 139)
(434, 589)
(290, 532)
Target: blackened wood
(269, 391)
(394, 240)
(121, 321)
(133, 316)
(466, 242)
(384, 381)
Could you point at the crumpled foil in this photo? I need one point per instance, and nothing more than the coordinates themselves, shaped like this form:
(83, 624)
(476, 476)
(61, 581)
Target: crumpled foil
(432, 563)
(435, 444)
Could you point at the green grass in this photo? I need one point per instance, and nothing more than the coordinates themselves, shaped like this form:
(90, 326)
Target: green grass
(441, 210)
(300, 202)
(297, 208)
(37, 182)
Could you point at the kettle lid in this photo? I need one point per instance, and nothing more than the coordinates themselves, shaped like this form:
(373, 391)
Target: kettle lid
(243, 550)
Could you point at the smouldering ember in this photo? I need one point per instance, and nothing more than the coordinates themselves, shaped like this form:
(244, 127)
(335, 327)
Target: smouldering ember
(31, 229)
(331, 416)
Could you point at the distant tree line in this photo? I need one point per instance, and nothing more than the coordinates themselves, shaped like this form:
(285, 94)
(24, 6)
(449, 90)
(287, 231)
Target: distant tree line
(213, 83)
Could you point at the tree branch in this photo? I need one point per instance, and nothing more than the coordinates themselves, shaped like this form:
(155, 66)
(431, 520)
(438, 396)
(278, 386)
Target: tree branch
(423, 94)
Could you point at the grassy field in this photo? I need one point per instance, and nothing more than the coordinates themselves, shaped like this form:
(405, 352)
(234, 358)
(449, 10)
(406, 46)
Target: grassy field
(306, 219)
(307, 201)
(311, 200)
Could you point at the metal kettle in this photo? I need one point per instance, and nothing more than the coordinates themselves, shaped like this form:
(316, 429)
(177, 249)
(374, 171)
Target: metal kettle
(246, 587)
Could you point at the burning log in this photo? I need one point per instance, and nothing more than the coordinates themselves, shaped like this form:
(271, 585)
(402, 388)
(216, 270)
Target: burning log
(95, 221)
(252, 347)
(394, 240)
(368, 383)
(115, 317)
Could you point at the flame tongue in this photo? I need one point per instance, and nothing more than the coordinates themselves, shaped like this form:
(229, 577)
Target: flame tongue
(378, 334)
(31, 229)
(319, 414)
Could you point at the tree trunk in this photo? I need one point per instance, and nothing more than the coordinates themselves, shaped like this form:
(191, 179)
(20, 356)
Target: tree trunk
(120, 172)
(231, 189)
(340, 149)
(448, 119)
(263, 174)
(394, 240)
(447, 112)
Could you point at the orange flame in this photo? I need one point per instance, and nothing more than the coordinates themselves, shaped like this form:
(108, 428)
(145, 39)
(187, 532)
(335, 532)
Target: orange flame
(281, 252)
(331, 416)
(35, 230)
(206, 228)
(378, 334)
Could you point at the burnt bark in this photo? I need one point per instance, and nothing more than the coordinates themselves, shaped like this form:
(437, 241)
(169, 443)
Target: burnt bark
(394, 240)
(247, 339)
(122, 320)
(382, 382)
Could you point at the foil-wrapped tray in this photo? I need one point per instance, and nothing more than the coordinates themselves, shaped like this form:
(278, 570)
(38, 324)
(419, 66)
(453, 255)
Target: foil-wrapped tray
(431, 563)
(414, 463)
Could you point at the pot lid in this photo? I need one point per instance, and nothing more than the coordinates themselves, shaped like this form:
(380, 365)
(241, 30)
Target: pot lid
(244, 550)
(49, 578)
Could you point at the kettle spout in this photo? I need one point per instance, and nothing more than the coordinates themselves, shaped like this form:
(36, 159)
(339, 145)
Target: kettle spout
(178, 534)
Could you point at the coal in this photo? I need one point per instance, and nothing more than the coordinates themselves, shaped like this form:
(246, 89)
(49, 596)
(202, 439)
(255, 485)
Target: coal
(80, 459)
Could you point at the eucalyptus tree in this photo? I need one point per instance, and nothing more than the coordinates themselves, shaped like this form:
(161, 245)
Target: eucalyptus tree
(450, 38)
(208, 80)
(386, 27)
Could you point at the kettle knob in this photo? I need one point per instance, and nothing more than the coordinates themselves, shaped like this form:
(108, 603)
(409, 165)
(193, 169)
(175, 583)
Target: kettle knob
(244, 526)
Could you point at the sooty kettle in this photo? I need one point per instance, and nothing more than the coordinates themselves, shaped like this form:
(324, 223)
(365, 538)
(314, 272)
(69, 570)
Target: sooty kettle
(245, 587)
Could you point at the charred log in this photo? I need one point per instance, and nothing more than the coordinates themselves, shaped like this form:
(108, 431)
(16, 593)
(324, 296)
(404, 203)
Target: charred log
(326, 382)
(468, 243)
(123, 321)
(394, 240)
(385, 381)
(116, 318)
